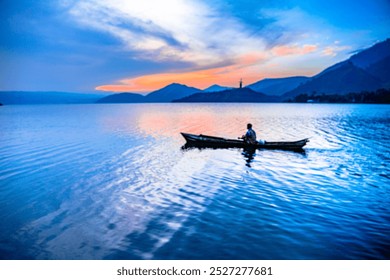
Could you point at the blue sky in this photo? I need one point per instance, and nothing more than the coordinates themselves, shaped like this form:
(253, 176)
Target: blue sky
(138, 46)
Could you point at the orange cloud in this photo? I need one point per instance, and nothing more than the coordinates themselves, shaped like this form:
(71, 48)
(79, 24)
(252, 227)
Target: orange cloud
(333, 50)
(151, 82)
(252, 58)
(251, 66)
(293, 50)
(227, 76)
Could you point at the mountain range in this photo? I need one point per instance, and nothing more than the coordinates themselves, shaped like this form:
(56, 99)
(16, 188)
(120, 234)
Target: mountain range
(366, 71)
(165, 94)
(47, 97)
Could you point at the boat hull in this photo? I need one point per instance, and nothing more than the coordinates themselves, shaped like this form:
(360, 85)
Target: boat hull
(219, 142)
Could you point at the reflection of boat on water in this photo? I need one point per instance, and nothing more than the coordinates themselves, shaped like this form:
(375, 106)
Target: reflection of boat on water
(219, 142)
(249, 155)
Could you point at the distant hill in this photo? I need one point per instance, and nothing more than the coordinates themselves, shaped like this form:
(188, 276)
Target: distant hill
(277, 86)
(165, 94)
(170, 92)
(368, 70)
(124, 97)
(234, 95)
(380, 96)
(345, 79)
(215, 88)
(47, 97)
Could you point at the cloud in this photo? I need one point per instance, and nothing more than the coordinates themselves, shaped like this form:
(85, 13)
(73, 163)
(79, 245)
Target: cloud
(334, 50)
(250, 67)
(200, 79)
(187, 31)
(214, 45)
(285, 50)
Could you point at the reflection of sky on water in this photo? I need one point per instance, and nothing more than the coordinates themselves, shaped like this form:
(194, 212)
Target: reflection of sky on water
(115, 183)
(224, 120)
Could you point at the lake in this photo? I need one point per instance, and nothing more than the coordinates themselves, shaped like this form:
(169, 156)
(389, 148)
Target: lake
(113, 182)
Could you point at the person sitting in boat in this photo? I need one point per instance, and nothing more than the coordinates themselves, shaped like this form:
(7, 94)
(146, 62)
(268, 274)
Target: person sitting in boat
(250, 135)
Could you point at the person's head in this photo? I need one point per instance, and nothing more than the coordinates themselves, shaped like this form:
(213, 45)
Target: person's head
(249, 126)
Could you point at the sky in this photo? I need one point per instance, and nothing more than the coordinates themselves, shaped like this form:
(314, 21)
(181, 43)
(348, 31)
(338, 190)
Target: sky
(140, 46)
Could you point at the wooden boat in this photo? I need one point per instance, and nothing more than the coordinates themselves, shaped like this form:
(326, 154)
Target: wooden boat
(219, 142)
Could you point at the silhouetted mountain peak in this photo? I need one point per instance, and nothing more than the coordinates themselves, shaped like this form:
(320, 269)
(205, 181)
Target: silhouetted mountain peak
(171, 92)
(367, 70)
(277, 86)
(174, 85)
(215, 88)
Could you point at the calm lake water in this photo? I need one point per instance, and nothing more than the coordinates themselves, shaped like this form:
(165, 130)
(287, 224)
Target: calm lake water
(112, 182)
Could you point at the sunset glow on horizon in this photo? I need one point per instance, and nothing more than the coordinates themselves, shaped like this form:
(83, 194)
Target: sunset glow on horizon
(246, 67)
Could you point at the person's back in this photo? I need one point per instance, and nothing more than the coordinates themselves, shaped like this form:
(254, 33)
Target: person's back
(250, 135)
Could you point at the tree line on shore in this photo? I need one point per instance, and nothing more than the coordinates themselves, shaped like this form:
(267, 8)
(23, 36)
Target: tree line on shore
(380, 96)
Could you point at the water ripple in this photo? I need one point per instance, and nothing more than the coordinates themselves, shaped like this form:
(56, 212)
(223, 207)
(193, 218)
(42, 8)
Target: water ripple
(114, 184)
